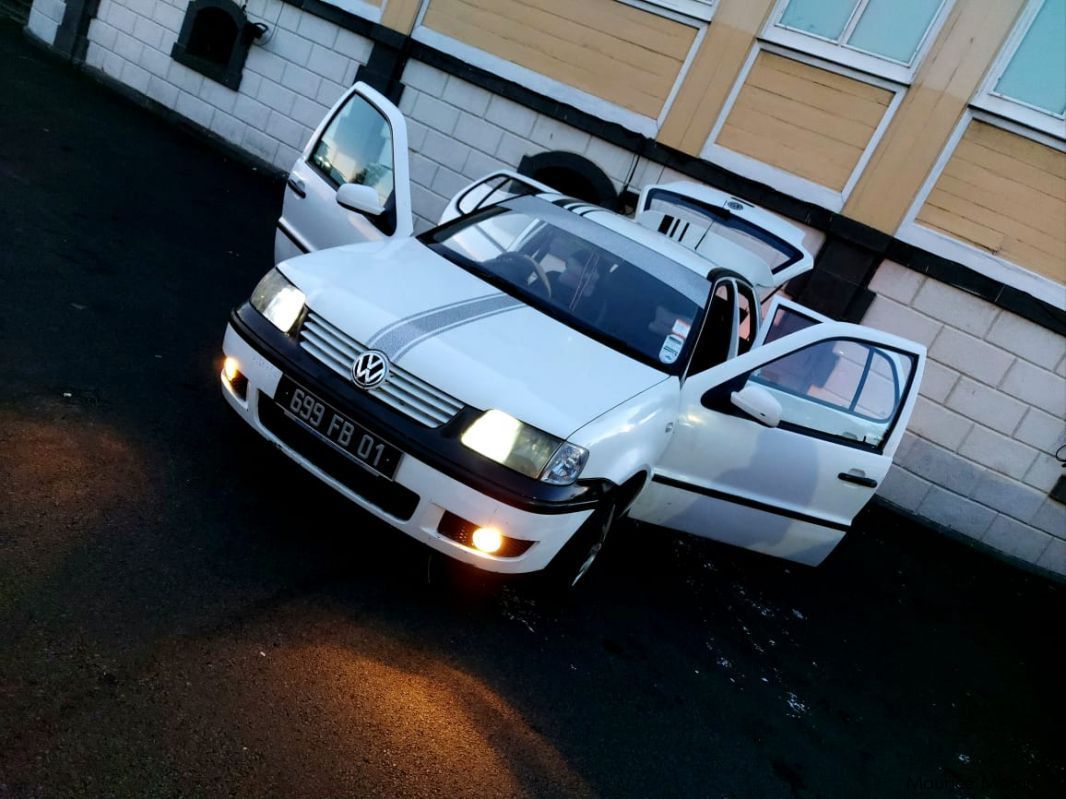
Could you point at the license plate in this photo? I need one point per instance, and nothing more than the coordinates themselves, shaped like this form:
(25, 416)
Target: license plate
(364, 447)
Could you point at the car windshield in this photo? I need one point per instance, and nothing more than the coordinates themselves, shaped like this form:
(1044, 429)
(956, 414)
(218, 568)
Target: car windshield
(593, 279)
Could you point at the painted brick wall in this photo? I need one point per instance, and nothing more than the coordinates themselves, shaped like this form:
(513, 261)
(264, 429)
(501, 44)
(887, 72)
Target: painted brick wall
(289, 81)
(459, 132)
(45, 18)
(979, 454)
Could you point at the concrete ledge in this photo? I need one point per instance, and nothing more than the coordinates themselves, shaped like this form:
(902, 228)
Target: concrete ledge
(973, 543)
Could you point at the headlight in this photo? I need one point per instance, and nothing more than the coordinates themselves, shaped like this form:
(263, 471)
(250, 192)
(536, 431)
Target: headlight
(527, 450)
(279, 301)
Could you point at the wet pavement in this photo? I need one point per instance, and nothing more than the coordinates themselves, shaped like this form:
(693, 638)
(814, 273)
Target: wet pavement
(184, 613)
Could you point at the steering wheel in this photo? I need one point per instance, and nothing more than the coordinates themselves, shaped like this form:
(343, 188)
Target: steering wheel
(516, 260)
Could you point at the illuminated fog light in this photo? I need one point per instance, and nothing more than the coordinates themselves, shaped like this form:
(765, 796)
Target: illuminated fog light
(231, 369)
(487, 539)
(237, 382)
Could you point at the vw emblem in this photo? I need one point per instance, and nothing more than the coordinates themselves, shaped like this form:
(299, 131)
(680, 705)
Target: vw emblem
(370, 369)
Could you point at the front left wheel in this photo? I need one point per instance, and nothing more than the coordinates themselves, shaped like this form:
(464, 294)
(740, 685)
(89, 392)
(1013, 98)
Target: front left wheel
(569, 567)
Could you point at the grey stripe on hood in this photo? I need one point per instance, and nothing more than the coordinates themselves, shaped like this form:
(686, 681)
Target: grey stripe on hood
(396, 339)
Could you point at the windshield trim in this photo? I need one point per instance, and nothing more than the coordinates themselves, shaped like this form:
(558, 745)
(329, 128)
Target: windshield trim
(433, 240)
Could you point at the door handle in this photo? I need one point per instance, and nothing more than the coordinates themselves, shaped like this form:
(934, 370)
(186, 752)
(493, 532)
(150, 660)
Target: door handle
(297, 186)
(858, 479)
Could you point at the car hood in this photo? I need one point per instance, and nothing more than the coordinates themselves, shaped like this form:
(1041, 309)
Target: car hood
(465, 336)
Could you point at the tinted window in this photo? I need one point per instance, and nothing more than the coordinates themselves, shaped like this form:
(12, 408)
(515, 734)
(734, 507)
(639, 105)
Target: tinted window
(587, 276)
(841, 388)
(356, 147)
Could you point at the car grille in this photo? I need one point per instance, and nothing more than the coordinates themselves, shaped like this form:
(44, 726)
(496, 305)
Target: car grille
(402, 391)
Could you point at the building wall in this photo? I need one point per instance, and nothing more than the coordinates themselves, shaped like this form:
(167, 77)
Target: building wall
(946, 80)
(1005, 194)
(617, 52)
(45, 18)
(459, 132)
(289, 81)
(979, 455)
(804, 120)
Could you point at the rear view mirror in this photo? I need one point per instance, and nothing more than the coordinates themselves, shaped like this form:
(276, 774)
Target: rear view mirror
(759, 404)
(356, 197)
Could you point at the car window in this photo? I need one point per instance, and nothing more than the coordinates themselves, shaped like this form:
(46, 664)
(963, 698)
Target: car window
(626, 295)
(747, 319)
(842, 388)
(714, 345)
(356, 147)
(785, 322)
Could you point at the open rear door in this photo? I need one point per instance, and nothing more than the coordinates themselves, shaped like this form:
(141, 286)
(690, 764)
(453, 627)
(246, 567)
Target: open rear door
(360, 147)
(783, 316)
(716, 225)
(777, 449)
(495, 187)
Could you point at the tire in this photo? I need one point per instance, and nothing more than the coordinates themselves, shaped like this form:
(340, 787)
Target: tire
(572, 563)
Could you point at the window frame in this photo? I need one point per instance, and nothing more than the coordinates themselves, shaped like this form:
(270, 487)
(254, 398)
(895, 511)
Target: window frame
(991, 265)
(703, 10)
(387, 220)
(986, 98)
(778, 178)
(741, 380)
(838, 51)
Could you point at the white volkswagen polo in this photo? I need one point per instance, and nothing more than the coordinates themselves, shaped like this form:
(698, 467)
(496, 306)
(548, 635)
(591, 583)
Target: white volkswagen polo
(507, 384)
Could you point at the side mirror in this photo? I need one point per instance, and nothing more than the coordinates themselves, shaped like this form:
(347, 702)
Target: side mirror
(356, 197)
(759, 404)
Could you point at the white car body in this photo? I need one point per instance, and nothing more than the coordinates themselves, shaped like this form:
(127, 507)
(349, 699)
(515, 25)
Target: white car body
(723, 452)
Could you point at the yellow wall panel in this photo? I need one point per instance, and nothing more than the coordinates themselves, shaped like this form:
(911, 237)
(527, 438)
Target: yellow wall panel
(714, 71)
(803, 119)
(1005, 194)
(947, 78)
(399, 15)
(614, 51)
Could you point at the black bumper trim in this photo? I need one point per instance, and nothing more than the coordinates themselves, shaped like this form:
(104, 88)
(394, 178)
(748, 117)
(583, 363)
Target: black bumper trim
(439, 447)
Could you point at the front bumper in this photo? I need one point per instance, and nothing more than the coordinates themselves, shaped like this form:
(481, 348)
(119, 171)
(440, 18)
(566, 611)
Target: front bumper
(549, 520)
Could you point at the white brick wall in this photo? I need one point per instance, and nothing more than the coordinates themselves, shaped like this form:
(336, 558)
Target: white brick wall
(45, 18)
(459, 132)
(988, 422)
(288, 84)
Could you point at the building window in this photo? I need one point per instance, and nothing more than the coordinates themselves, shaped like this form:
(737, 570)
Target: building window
(214, 40)
(1028, 81)
(882, 37)
(697, 9)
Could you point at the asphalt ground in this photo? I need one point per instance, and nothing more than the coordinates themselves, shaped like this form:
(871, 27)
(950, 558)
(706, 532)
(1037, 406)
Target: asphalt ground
(185, 613)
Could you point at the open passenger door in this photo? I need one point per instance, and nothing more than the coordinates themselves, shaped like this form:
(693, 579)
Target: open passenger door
(777, 449)
(352, 181)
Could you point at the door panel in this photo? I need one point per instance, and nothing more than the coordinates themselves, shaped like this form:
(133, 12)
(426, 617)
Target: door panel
(791, 490)
(362, 140)
(493, 188)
